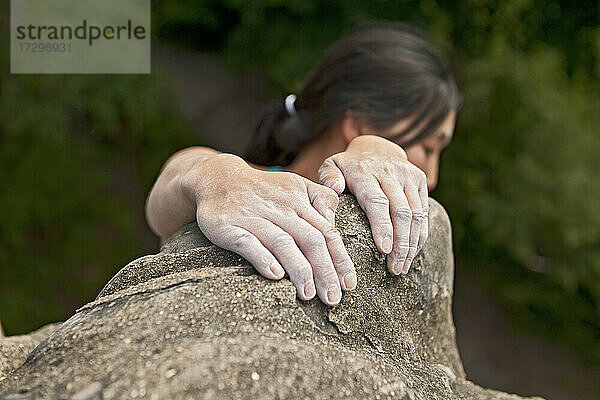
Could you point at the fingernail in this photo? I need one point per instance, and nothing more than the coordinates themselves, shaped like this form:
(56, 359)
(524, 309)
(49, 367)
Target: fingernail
(277, 270)
(333, 294)
(386, 245)
(349, 281)
(309, 290)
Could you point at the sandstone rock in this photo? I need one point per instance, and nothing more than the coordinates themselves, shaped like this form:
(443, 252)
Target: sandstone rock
(14, 349)
(196, 321)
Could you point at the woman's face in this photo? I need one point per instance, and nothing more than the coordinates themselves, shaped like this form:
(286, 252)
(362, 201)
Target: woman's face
(425, 154)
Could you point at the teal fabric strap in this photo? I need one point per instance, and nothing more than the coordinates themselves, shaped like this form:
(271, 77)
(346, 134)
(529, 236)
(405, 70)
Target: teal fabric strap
(276, 168)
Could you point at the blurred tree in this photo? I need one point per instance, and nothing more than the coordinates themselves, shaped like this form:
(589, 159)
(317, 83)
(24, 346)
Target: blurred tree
(75, 150)
(519, 183)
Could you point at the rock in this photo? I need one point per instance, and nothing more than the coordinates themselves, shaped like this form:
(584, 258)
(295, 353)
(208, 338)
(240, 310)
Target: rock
(14, 349)
(196, 321)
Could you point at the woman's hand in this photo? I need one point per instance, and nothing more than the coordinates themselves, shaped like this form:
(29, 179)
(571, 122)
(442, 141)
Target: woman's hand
(276, 220)
(392, 192)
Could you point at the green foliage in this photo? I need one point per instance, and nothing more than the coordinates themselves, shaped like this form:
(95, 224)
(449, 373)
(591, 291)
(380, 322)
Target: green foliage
(75, 150)
(519, 180)
(523, 193)
(283, 38)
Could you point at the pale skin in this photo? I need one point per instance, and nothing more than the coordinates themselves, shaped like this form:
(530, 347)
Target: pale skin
(284, 221)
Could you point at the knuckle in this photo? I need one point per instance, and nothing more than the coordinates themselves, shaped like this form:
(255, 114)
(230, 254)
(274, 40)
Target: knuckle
(412, 251)
(388, 167)
(313, 238)
(360, 190)
(361, 168)
(403, 214)
(334, 238)
(401, 251)
(318, 203)
(379, 199)
(345, 265)
(241, 240)
(418, 216)
(331, 232)
(265, 259)
(420, 175)
(304, 274)
(327, 197)
(283, 241)
(331, 197)
(326, 177)
(332, 278)
(327, 276)
(384, 227)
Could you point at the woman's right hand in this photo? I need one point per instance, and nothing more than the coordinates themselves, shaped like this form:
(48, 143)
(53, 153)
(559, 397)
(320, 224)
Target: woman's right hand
(276, 220)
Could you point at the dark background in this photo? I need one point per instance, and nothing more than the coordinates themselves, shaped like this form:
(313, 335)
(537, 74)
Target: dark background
(79, 153)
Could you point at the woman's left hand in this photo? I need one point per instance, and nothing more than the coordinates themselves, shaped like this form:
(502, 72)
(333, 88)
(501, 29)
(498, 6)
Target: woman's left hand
(392, 192)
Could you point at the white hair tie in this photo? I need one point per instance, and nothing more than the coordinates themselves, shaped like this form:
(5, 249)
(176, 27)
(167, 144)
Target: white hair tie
(290, 108)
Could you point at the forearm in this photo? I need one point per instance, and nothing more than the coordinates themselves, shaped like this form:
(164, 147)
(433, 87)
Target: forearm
(167, 207)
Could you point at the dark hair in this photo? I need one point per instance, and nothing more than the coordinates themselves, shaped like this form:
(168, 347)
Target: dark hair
(383, 74)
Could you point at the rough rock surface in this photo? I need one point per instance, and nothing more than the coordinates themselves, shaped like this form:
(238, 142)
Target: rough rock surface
(196, 321)
(14, 349)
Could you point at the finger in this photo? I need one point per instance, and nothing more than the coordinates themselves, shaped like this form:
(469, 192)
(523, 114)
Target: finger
(401, 216)
(283, 246)
(376, 206)
(314, 247)
(424, 195)
(323, 199)
(331, 176)
(244, 243)
(414, 201)
(342, 263)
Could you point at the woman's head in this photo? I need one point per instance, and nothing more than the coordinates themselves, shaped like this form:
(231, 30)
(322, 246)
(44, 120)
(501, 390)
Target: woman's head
(388, 77)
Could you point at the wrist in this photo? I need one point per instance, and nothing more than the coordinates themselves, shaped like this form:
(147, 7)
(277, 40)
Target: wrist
(208, 172)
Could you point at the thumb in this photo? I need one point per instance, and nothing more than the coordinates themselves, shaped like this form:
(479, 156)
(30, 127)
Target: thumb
(331, 176)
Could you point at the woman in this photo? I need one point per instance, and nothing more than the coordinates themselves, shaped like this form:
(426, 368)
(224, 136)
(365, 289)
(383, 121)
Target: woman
(372, 118)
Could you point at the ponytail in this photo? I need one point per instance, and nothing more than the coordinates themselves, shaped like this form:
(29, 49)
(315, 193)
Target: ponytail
(280, 135)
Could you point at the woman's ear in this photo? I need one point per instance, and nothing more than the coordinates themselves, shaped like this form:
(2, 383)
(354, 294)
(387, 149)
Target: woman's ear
(350, 127)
